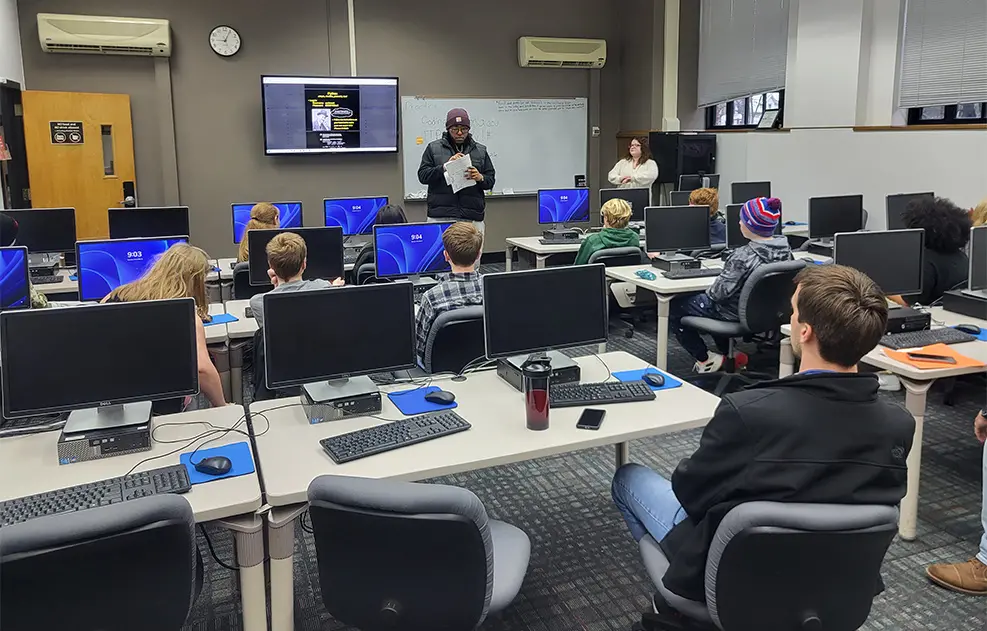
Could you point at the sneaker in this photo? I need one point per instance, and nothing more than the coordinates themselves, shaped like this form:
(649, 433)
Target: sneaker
(714, 362)
(889, 382)
(968, 578)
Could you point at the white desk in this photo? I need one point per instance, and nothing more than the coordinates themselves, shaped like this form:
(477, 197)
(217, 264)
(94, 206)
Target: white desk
(796, 231)
(216, 333)
(244, 327)
(917, 384)
(542, 252)
(65, 286)
(291, 457)
(30, 465)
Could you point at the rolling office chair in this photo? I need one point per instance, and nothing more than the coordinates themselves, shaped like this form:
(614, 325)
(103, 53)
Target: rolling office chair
(786, 567)
(765, 304)
(405, 557)
(618, 257)
(127, 566)
(365, 274)
(455, 340)
(242, 289)
(364, 257)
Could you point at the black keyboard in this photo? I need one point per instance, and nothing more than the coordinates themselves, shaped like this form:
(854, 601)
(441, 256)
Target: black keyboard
(567, 395)
(377, 440)
(46, 279)
(917, 339)
(682, 274)
(173, 479)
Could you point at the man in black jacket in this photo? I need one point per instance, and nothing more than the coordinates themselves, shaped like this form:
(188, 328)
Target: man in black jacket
(469, 203)
(819, 436)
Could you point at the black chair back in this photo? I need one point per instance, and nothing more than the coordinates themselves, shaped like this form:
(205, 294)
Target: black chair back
(455, 340)
(366, 274)
(242, 289)
(766, 299)
(617, 257)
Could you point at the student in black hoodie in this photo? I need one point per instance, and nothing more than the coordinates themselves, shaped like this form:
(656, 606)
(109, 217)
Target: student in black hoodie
(821, 435)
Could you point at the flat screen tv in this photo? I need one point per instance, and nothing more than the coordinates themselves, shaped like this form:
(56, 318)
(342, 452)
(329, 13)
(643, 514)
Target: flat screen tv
(329, 115)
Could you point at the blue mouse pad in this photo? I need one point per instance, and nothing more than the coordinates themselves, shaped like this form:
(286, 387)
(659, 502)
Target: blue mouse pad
(412, 402)
(982, 336)
(221, 318)
(238, 453)
(635, 375)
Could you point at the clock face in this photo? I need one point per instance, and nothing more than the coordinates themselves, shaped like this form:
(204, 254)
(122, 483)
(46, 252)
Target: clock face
(225, 41)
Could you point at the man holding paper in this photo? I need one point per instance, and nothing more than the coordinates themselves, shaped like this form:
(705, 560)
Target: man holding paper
(457, 170)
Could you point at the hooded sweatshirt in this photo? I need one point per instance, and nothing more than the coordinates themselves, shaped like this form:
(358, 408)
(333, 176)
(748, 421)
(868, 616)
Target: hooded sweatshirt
(606, 239)
(725, 290)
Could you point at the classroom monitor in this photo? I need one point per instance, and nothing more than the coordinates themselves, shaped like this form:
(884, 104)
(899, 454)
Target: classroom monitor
(829, 215)
(638, 198)
(676, 228)
(897, 204)
(978, 260)
(289, 216)
(45, 230)
(305, 115)
(410, 249)
(900, 274)
(355, 215)
(743, 192)
(563, 205)
(679, 198)
(105, 265)
(14, 288)
(133, 223)
(324, 247)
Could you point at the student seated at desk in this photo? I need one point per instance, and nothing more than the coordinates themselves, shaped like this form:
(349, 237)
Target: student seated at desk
(463, 244)
(822, 435)
(711, 197)
(8, 237)
(287, 257)
(758, 220)
(263, 216)
(616, 215)
(947, 231)
(179, 273)
(978, 214)
(388, 215)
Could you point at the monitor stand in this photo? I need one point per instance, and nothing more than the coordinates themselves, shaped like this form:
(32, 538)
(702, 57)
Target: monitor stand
(340, 398)
(108, 417)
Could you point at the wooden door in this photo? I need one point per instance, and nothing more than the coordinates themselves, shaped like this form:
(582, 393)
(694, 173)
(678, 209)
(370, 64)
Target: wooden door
(80, 151)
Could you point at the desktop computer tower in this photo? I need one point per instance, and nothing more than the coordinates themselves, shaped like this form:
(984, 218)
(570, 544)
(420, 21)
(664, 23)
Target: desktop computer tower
(682, 153)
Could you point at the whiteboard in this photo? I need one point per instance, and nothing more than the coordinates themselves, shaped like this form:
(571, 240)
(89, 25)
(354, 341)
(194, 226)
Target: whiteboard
(534, 143)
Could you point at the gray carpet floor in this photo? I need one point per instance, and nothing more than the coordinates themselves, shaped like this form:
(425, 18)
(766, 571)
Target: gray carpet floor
(585, 571)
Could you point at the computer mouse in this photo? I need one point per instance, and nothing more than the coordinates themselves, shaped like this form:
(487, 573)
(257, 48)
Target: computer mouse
(440, 397)
(214, 465)
(655, 379)
(645, 274)
(972, 329)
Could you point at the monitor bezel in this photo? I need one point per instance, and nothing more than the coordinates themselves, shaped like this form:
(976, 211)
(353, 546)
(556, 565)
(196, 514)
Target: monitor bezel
(709, 175)
(27, 277)
(589, 208)
(969, 275)
(78, 257)
(705, 210)
(386, 198)
(809, 213)
(301, 214)
(266, 281)
(120, 211)
(637, 215)
(887, 206)
(403, 225)
(865, 235)
(15, 212)
(733, 190)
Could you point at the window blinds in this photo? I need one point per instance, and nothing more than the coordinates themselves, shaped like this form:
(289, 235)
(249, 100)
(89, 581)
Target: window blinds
(943, 53)
(743, 48)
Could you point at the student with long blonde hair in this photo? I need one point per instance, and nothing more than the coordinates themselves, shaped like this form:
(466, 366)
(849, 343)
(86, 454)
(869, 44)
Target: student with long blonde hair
(263, 216)
(979, 214)
(180, 273)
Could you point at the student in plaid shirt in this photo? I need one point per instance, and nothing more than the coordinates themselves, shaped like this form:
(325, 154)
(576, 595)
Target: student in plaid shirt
(463, 245)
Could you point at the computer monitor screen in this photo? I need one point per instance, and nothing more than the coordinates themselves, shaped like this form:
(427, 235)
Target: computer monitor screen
(355, 215)
(638, 198)
(679, 198)
(900, 273)
(325, 253)
(14, 290)
(829, 215)
(743, 192)
(409, 249)
(735, 236)
(372, 329)
(563, 205)
(673, 228)
(133, 223)
(896, 205)
(289, 216)
(692, 182)
(309, 115)
(105, 265)
(43, 230)
(978, 258)
(544, 309)
(123, 353)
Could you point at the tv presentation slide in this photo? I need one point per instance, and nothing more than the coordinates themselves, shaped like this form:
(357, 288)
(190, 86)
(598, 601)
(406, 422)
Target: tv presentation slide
(327, 115)
(289, 216)
(105, 265)
(401, 250)
(14, 293)
(561, 206)
(354, 216)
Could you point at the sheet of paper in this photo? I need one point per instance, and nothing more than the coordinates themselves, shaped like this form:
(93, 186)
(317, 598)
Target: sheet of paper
(456, 173)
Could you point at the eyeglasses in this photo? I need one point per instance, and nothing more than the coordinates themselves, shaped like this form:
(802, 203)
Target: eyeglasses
(459, 129)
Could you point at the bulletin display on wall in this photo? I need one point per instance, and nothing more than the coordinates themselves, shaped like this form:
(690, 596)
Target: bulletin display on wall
(534, 143)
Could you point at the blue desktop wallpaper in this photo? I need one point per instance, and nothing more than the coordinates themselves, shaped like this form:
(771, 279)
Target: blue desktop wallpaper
(561, 206)
(354, 216)
(105, 265)
(410, 249)
(289, 214)
(13, 279)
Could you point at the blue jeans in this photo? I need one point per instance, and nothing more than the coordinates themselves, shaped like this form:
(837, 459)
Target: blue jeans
(982, 555)
(647, 501)
(699, 305)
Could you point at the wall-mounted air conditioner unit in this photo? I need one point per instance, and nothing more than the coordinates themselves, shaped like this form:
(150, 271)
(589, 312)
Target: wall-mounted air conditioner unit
(102, 35)
(557, 52)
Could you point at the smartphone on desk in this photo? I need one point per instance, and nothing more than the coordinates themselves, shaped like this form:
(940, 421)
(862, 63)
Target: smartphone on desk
(943, 359)
(591, 419)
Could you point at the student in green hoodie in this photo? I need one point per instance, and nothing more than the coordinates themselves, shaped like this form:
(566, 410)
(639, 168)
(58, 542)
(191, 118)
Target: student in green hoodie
(615, 234)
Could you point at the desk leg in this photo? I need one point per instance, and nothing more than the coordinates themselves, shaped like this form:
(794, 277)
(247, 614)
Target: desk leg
(915, 399)
(508, 257)
(236, 371)
(623, 454)
(662, 360)
(540, 261)
(281, 541)
(248, 534)
(786, 365)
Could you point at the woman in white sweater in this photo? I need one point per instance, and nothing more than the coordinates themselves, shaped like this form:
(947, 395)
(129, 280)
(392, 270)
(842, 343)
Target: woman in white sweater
(636, 169)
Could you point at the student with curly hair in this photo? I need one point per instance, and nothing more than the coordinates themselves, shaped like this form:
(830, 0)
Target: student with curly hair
(947, 231)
